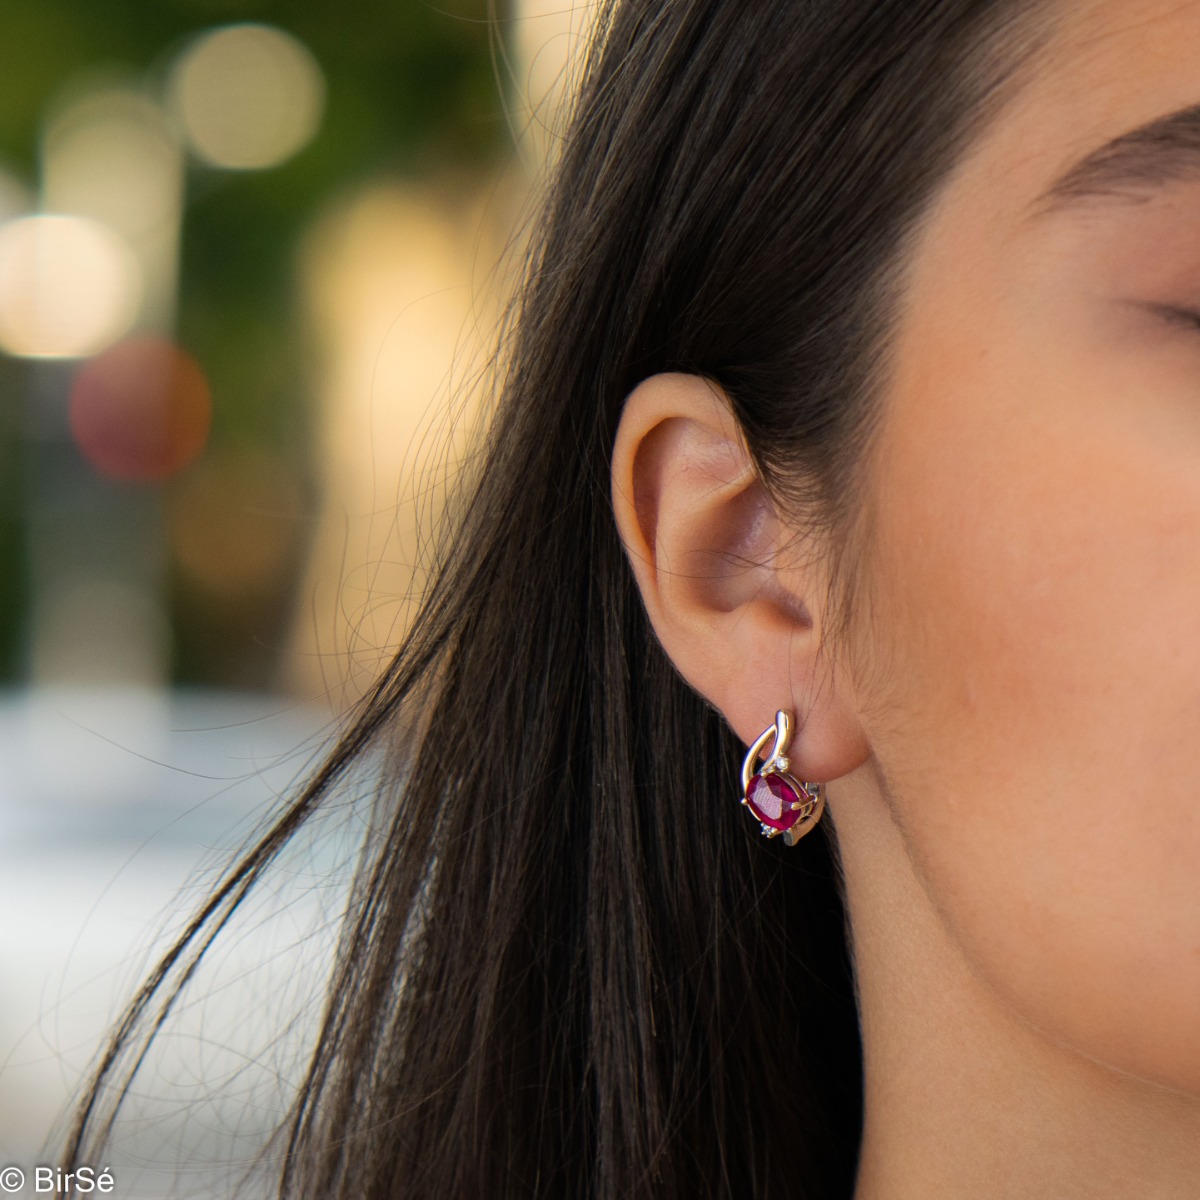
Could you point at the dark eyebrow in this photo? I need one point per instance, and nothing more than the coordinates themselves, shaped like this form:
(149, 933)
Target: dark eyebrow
(1134, 166)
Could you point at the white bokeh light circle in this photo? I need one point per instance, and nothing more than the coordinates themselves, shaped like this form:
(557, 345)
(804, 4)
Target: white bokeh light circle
(247, 96)
(69, 286)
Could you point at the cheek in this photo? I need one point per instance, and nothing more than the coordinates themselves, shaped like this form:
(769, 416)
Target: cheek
(1037, 596)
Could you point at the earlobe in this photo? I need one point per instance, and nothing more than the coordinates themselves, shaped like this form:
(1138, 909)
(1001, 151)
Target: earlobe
(741, 624)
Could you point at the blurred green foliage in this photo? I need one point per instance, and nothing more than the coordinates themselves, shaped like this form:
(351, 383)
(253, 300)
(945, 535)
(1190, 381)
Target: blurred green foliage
(412, 89)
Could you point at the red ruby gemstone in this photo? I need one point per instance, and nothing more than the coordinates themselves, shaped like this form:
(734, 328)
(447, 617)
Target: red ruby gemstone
(770, 798)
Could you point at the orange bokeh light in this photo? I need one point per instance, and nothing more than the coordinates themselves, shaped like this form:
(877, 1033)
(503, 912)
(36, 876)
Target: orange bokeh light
(141, 410)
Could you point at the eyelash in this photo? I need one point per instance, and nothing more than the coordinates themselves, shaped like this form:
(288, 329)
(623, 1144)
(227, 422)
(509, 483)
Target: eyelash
(1185, 317)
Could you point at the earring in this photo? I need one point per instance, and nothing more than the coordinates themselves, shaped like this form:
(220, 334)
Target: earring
(781, 802)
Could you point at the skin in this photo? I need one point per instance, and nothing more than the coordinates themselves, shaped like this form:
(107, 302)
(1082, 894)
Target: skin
(1010, 729)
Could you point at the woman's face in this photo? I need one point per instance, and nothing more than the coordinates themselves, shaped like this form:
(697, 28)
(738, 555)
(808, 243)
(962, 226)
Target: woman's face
(1034, 559)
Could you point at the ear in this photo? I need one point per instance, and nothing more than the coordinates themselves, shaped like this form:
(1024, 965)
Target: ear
(735, 595)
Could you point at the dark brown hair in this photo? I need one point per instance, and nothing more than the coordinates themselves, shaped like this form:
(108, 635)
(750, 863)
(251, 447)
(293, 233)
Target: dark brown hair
(569, 967)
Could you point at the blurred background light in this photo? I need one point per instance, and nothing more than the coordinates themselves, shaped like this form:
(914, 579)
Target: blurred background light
(235, 521)
(16, 200)
(344, 308)
(390, 279)
(248, 96)
(550, 37)
(69, 286)
(112, 155)
(136, 638)
(141, 410)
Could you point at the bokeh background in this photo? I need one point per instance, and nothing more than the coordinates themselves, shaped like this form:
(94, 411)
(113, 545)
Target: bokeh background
(252, 263)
